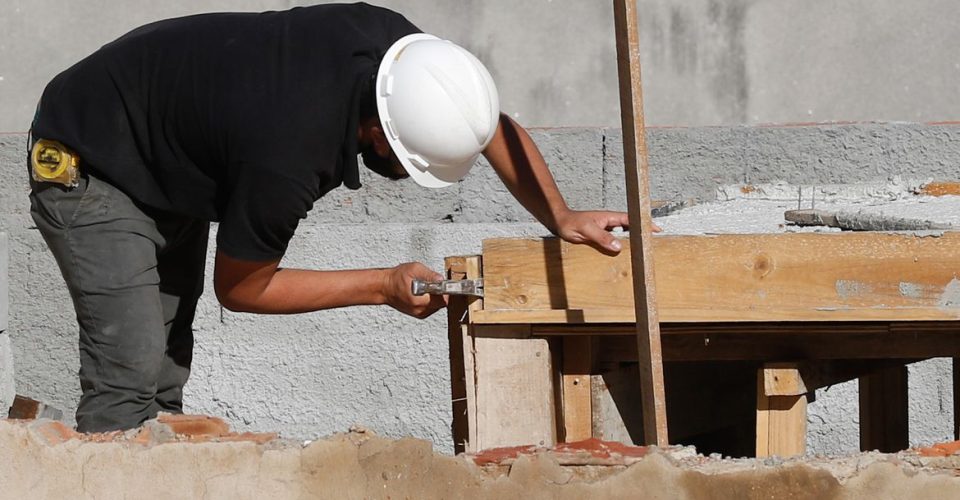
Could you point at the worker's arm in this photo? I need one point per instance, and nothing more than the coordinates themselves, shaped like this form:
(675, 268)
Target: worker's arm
(521, 167)
(265, 288)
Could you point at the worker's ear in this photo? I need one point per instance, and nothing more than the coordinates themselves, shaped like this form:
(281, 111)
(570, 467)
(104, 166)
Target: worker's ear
(380, 143)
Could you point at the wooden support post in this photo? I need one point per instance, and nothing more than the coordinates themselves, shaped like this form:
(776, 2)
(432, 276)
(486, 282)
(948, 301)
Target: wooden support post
(781, 420)
(641, 223)
(462, 376)
(577, 389)
(884, 421)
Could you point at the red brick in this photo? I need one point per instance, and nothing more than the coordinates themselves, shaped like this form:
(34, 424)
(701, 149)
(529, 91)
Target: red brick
(195, 425)
(54, 432)
(256, 437)
(941, 449)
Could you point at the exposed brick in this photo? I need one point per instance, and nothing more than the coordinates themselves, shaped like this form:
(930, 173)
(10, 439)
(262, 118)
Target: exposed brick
(53, 432)
(194, 425)
(255, 437)
(587, 452)
(940, 449)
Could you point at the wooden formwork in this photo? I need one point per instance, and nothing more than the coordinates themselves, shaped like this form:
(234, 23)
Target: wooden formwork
(751, 326)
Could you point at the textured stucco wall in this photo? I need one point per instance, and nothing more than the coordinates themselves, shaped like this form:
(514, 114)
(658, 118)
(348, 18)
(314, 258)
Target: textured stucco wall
(705, 62)
(7, 387)
(314, 374)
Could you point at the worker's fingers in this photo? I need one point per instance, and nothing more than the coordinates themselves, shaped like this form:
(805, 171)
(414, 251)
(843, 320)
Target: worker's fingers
(616, 219)
(422, 272)
(598, 235)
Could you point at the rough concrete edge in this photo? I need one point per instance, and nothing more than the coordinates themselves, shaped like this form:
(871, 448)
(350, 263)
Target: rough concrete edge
(363, 464)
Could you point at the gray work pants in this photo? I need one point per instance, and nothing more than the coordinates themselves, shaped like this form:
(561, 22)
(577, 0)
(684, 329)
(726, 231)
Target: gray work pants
(135, 276)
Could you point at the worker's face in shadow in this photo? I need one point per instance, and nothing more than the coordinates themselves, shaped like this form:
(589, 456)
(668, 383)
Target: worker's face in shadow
(388, 166)
(377, 154)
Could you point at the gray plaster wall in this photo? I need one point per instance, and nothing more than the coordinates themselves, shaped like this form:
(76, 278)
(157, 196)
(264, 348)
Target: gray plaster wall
(318, 373)
(7, 386)
(705, 62)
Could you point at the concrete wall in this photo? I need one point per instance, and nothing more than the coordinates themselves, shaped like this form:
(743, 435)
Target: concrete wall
(7, 388)
(318, 373)
(706, 62)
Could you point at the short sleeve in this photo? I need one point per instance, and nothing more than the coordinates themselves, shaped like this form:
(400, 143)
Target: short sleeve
(264, 209)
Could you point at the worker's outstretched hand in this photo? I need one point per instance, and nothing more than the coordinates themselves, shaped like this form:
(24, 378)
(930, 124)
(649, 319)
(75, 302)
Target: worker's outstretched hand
(593, 228)
(396, 289)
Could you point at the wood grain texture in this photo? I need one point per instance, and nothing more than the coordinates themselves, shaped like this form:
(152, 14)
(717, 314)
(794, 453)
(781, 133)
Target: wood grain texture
(638, 208)
(781, 423)
(462, 369)
(577, 407)
(515, 392)
(782, 379)
(730, 278)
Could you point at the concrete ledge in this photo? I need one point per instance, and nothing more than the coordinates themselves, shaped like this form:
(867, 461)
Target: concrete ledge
(47, 460)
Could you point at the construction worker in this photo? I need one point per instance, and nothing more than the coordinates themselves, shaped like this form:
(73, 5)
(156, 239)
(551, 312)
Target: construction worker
(247, 119)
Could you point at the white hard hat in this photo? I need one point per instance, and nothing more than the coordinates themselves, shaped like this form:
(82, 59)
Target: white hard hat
(438, 107)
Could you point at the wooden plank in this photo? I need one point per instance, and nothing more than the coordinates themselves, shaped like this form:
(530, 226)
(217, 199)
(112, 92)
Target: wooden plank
(788, 346)
(462, 390)
(782, 379)
(884, 419)
(781, 423)
(776, 328)
(597, 316)
(760, 277)
(641, 223)
(515, 392)
(577, 408)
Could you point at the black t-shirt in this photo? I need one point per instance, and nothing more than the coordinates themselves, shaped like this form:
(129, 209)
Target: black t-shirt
(242, 118)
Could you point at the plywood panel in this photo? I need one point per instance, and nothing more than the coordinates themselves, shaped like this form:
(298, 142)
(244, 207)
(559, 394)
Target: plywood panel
(514, 392)
(781, 277)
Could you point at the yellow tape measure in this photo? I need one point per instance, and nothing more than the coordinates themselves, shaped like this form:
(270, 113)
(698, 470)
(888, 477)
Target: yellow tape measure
(51, 161)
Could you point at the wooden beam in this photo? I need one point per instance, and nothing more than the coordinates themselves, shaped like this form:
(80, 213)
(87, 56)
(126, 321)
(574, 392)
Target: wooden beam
(577, 408)
(884, 418)
(865, 344)
(641, 223)
(736, 278)
(781, 422)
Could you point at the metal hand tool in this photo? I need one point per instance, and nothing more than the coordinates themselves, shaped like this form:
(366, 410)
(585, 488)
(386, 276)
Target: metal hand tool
(448, 287)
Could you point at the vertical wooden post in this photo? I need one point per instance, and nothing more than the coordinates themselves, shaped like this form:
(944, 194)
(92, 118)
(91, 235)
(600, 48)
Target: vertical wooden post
(577, 392)
(884, 418)
(638, 206)
(462, 373)
(781, 415)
